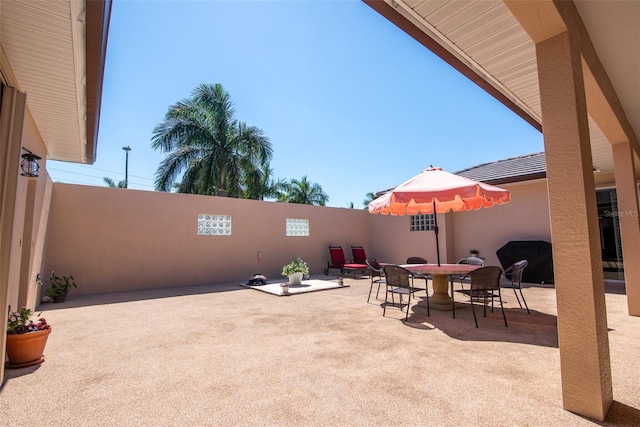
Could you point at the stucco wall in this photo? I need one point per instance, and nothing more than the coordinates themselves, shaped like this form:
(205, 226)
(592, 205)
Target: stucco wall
(526, 217)
(38, 191)
(28, 208)
(392, 241)
(113, 239)
(15, 264)
(116, 240)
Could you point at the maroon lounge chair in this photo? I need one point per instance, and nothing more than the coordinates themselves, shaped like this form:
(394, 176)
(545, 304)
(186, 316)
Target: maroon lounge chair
(339, 262)
(359, 256)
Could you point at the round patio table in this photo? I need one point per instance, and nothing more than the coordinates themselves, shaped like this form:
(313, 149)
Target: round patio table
(440, 300)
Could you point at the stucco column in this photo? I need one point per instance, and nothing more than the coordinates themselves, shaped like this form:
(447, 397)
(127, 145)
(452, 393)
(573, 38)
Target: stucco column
(582, 317)
(12, 111)
(25, 281)
(623, 161)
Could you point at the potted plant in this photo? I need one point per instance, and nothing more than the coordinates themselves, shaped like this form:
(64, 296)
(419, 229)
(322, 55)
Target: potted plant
(26, 339)
(60, 286)
(294, 270)
(474, 252)
(285, 288)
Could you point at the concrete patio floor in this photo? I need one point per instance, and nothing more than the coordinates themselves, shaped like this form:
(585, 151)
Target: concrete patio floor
(225, 355)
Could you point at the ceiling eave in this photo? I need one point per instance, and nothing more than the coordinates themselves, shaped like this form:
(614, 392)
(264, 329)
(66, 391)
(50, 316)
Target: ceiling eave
(411, 27)
(98, 16)
(55, 52)
(493, 44)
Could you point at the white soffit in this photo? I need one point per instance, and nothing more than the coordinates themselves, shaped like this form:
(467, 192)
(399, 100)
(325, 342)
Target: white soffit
(44, 42)
(614, 29)
(486, 37)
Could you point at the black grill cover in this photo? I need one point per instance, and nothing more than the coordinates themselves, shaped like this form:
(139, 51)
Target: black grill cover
(537, 252)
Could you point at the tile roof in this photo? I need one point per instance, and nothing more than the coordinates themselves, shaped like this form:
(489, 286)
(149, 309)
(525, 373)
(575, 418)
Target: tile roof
(515, 169)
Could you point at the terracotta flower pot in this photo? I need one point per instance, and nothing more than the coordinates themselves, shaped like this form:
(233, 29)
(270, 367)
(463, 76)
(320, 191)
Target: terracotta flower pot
(26, 349)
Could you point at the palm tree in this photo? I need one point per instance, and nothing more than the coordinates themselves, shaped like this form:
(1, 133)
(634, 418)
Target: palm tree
(111, 183)
(369, 197)
(304, 192)
(218, 154)
(263, 185)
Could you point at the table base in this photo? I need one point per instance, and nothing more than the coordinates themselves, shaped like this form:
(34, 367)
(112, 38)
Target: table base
(440, 300)
(446, 306)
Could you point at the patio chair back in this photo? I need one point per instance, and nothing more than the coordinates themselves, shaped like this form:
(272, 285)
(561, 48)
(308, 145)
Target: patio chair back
(486, 278)
(359, 255)
(425, 276)
(375, 267)
(400, 281)
(398, 277)
(484, 281)
(471, 260)
(337, 256)
(416, 260)
(376, 273)
(514, 274)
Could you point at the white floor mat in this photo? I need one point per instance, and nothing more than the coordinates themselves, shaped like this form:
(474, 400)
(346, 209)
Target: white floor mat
(306, 286)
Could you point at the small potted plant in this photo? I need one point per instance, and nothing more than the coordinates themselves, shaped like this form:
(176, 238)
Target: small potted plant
(295, 270)
(285, 288)
(60, 286)
(26, 339)
(474, 252)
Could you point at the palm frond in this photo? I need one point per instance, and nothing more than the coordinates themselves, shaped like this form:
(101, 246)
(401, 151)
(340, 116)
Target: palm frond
(234, 155)
(172, 165)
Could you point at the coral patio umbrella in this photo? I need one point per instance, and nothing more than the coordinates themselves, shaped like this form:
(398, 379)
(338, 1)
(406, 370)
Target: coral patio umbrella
(437, 191)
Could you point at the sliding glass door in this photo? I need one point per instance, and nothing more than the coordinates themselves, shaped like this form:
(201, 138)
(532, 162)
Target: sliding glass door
(609, 219)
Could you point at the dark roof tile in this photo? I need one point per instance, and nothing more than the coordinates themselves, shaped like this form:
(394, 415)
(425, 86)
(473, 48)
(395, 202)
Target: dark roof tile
(521, 168)
(514, 169)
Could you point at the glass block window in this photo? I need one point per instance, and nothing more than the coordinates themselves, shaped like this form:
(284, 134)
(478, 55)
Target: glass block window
(297, 227)
(422, 222)
(214, 225)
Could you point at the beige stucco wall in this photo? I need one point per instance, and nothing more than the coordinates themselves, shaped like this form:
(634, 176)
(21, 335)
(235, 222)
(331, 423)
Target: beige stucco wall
(23, 204)
(36, 211)
(392, 241)
(113, 239)
(116, 240)
(16, 244)
(526, 217)
(28, 208)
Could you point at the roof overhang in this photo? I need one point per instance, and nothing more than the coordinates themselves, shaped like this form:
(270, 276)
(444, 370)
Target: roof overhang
(55, 52)
(493, 44)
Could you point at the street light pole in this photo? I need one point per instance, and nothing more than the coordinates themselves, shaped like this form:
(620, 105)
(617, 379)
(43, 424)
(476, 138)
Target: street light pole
(126, 166)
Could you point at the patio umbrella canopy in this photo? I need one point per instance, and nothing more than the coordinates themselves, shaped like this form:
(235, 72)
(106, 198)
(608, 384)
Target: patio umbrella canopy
(437, 191)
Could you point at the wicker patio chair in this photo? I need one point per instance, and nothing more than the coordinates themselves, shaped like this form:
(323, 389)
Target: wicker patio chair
(470, 260)
(376, 273)
(484, 284)
(425, 276)
(514, 275)
(400, 281)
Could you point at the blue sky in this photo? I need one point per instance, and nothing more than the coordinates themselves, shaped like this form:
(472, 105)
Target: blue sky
(345, 97)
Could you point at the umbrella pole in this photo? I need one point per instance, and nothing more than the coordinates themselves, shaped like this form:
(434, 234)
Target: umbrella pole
(435, 228)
